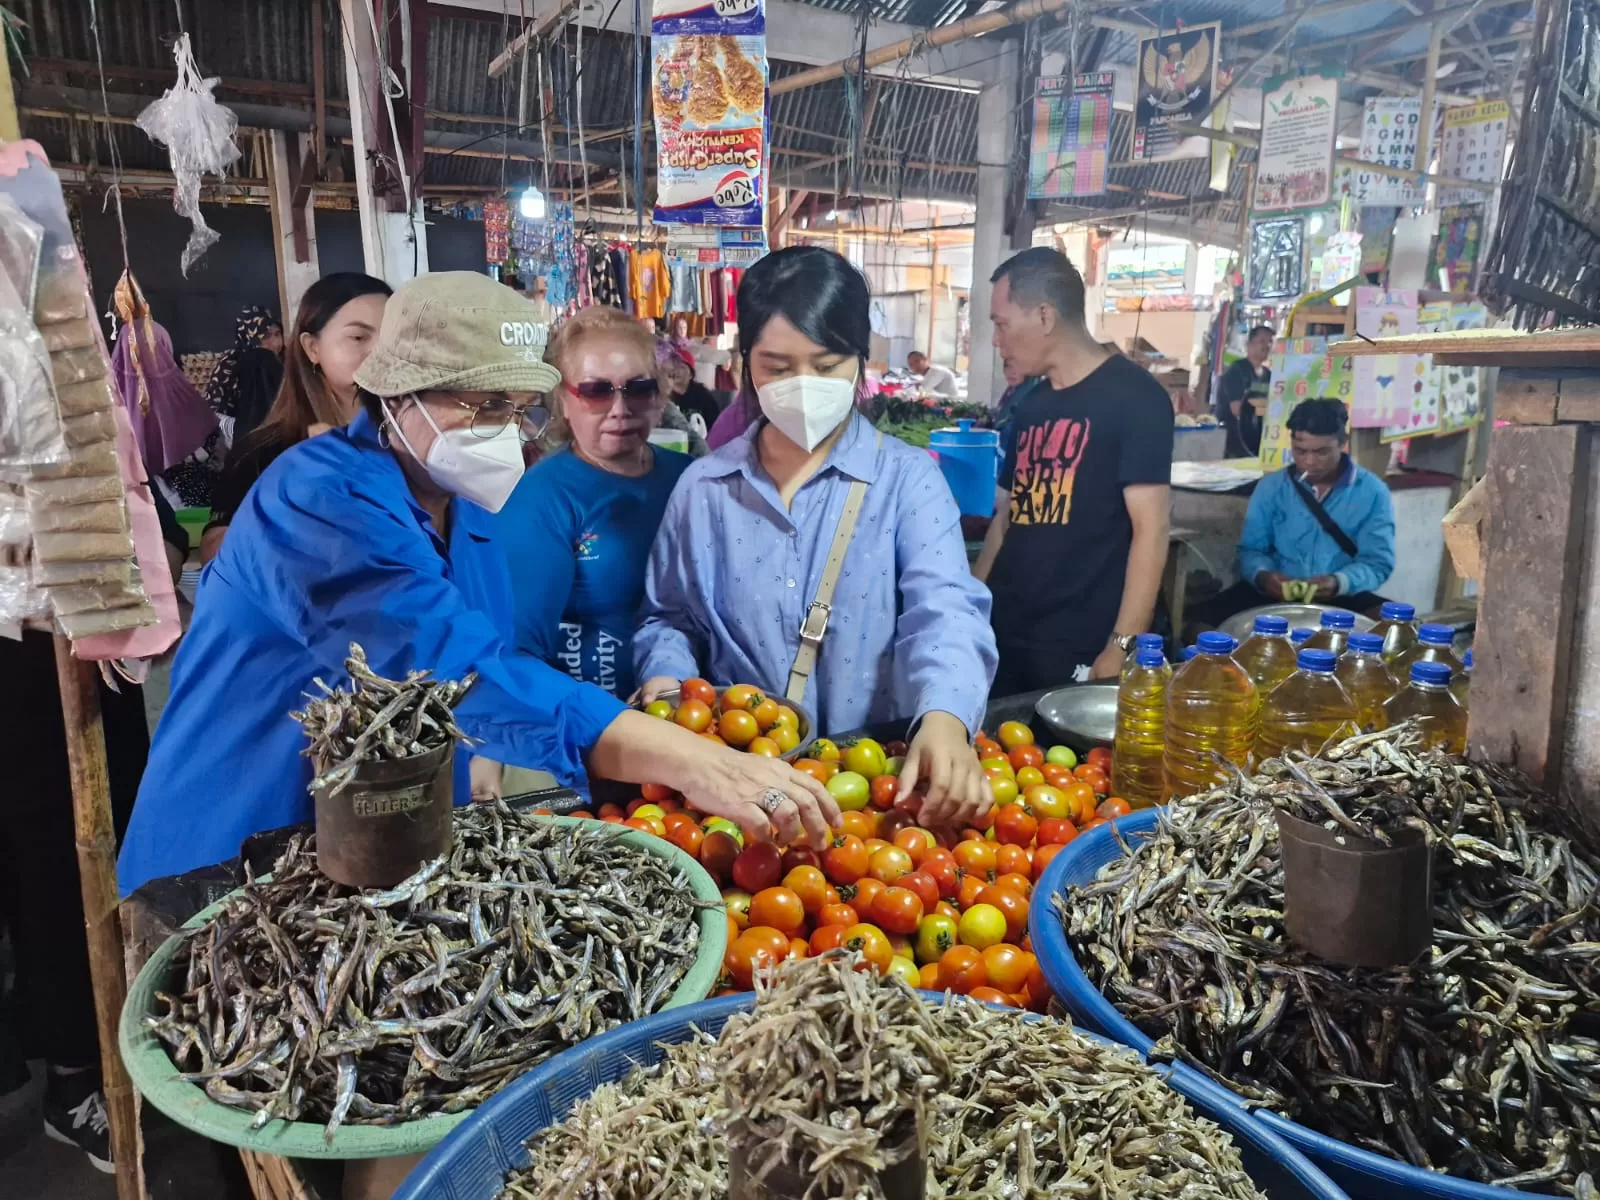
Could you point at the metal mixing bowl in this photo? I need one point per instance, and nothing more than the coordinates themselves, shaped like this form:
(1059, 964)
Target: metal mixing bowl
(1082, 715)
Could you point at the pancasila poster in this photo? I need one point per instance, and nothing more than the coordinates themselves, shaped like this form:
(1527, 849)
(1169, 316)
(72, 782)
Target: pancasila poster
(1177, 80)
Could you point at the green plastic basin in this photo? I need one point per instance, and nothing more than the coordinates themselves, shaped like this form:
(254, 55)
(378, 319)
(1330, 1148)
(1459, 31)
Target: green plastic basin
(155, 1075)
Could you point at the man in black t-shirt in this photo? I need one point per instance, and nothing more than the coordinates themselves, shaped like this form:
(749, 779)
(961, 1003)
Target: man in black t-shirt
(1075, 552)
(1242, 394)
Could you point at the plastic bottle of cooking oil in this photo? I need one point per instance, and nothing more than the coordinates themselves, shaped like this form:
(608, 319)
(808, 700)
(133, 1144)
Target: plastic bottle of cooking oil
(1137, 771)
(1267, 655)
(1144, 641)
(1308, 710)
(1366, 677)
(1427, 700)
(1211, 708)
(1299, 636)
(1462, 680)
(1335, 632)
(1397, 626)
(1433, 644)
(1188, 652)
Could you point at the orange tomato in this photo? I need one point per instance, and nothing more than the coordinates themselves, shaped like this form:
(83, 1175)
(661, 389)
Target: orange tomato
(1094, 824)
(811, 885)
(1044, 854)
(933, 977)
(1038, 989)
(1056, 775)
(924, 885)
(717, 852)
(694, 715)
(897, 910)
(872, 944)
(945, 874)
(1055, 831)
(889, 863)
(1100, 756)
(645, 825)
(766, 714)
(737, 727)
(945, 909)
(915, 841)
(1099, 781)
(963, 969)
(882, 791)
(609, 809)
(874, 844)
(753, 949)
(674, 819)
(764, 747)
(799, 948)
(971, 885)
(977, 857)
(741, 696)
(1113, 807)
(818, 771)
(1013, 734)
(711, 735)
(837, 914)
(1007, 967)
(990, 995)
(1013, 860)
(868, 889)
(861, 823)
(1014, 826)
(1012, 905)
(846, 860)
(697, 689)
(1081, 796)
(655, 793)
(1026, 756)
(780, 908)
(827, 937)
(987, 747)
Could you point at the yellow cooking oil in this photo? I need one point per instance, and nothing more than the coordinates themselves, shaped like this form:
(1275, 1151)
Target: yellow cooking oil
(1211, 711)
(1397, 626)
(1462, 680)
(1138, 750)
(1334, 632)
(1435, 643)
(1145, 641)
(1366, 678)
(1427, 701)
(1268, 656)
(1308, 710)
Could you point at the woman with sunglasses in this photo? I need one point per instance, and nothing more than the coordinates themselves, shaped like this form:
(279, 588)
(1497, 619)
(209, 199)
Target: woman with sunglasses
(577, 530)
(382, 534)
(756, 530)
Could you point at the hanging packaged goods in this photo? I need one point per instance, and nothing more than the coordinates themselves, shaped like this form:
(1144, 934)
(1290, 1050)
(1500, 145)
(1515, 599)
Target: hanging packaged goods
(710, 79)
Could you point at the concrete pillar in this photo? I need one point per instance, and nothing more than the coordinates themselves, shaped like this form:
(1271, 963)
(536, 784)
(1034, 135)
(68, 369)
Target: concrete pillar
(394, 245)
(291, 159)
(989, 249)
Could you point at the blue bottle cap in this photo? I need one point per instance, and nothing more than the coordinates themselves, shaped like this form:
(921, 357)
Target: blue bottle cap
(1317, 660)
(1338, 618)
(1393, 610)
(1300, 633)
(1187, 653)
(1214, 641)
(1150, 656)
(1466, 661)
(1271, 624)
(1371, 643)
(1145, 640)
(1430, 672)
(1437, 635)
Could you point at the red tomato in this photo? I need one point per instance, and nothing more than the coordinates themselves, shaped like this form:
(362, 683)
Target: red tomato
(846, 860)
(897, 910)
(1113, 808)
(1014, 826)
(889, 864)
(914, 840)
(990, 995)
(1094, 824)
(1017, 881)
(655, 793)
(1012, 905)
(697, 689)
(1054, 831)
(892, 822)
(883, 789)
(868, 889)
(756, 947)
(827, 937)
(1007, 967)
(924, 885)
(945, 874)
(759, 865)
(1100, 757)
(971, 885)
(1013, 860)
(963, 969)
(718, 850)
(800, 855)
(811, 885)
(838, 914)
(1026, 756)
(1042, 857)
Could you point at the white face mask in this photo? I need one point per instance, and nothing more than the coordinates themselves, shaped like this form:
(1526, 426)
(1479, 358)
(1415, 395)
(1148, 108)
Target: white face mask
(484, 470)
(807, 408)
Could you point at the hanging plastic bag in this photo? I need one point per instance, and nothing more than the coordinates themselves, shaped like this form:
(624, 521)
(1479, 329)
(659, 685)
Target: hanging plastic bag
(198, 133)
(31, 430)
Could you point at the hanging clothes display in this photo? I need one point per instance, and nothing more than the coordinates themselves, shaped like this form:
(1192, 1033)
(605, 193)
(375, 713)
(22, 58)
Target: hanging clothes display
(547, 249)
(650, 284)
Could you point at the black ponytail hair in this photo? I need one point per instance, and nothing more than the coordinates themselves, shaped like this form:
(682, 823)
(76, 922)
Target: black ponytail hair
(817, 291)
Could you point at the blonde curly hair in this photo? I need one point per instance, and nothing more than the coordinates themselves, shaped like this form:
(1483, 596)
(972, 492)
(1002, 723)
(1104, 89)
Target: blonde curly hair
(562, 350)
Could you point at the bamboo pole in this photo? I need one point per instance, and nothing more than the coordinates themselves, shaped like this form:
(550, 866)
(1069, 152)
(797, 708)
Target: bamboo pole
(1429, 78)
(97, 874)
(10, 130)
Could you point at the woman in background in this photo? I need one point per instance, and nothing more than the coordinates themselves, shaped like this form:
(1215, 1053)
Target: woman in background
(683, 389)
(577, 530)
(333, 333)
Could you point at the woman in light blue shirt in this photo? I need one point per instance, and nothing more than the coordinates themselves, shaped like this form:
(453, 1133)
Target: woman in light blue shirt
(743, 544)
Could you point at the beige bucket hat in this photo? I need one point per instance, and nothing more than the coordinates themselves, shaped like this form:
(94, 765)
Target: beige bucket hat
(458, 331)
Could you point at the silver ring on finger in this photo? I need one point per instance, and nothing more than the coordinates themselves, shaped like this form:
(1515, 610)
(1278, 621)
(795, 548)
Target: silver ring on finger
(772, 799)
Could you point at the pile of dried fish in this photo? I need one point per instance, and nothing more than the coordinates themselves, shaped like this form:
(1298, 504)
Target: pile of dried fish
(1031, 1107)
(378, 719)
(304, 999)
(1481, 1059)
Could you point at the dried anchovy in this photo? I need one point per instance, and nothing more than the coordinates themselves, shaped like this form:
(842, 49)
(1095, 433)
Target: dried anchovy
(1030, 1109)
(378, 719)
(304, 999)
(1480, 1059)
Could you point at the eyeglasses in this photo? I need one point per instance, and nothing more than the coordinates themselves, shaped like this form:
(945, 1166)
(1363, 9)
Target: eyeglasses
(640, 391)
(491, 416)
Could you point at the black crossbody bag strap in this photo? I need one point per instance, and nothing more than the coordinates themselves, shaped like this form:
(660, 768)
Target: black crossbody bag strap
(1329, 525)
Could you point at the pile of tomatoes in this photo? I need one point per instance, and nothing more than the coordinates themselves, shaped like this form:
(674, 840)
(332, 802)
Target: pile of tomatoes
(946, 912)
(743, 717)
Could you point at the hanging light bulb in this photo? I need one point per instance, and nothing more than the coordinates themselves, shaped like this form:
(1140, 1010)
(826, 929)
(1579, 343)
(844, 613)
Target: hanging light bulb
(531, 204)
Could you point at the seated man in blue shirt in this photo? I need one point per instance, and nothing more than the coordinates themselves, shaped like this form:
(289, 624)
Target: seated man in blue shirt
(1347, 552)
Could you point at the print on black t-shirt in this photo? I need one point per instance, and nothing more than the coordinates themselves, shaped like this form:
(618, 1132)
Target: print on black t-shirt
(1047, 464)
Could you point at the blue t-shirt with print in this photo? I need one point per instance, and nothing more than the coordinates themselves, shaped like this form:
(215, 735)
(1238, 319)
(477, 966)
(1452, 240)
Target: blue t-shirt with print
(577, 539)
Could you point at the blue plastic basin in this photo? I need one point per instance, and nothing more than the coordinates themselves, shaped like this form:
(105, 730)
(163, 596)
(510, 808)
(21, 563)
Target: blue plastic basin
(471, 1164)
(969, 459)
(1363, 1174)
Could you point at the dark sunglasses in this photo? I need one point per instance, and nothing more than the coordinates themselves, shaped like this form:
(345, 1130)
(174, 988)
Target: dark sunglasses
(598, 391)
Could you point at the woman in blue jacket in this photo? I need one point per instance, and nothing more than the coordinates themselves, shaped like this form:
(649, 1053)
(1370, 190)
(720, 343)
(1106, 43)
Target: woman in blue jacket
(381, 534)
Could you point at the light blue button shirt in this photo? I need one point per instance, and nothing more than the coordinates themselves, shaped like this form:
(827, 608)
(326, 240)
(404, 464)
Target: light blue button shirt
(733, 571)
